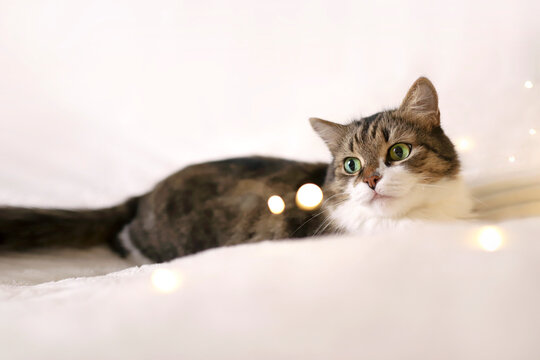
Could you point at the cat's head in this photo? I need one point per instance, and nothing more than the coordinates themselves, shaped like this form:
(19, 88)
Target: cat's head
(391, 164)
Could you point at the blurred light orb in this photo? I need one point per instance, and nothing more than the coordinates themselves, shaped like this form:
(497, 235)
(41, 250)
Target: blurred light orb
(309, 197)
(276, 204)
(532, 131)
(512, 158)
(166, 281)
(528, 84)
(490, 238)
(463, 144)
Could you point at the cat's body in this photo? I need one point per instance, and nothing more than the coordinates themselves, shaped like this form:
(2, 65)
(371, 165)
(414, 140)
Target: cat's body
(222, 203)
(391, 167)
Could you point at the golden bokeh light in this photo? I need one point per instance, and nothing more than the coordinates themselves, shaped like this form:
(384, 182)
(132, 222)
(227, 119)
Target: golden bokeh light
(490, 238)
(166, 281)
(532, 131)
(309, 197)
(528, 84)
(276, 204)
(463, 144)
(512, 158)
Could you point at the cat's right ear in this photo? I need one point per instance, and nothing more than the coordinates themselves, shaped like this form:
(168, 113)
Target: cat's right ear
(421, 104)
(330, 132)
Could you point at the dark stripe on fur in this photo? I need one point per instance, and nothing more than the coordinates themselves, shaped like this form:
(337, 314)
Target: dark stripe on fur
(356, 137)
(386, 134)
(374, 129)
(366, 123)
(444, 157)
(365, 128)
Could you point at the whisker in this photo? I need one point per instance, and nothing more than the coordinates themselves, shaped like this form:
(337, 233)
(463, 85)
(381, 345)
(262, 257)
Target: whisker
(320, 213)
(326, 227)
(326, 200)
(316, 230)
(325, 223)
(308, 220)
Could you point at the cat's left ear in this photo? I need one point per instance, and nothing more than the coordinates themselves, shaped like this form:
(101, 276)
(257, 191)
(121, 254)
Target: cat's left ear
(330, 132)
(421, 104)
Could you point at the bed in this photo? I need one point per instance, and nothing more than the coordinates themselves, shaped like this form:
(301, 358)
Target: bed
(465, 289)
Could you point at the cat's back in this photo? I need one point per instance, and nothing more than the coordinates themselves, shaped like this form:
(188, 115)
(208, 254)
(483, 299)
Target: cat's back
(237, 178)
(261, 168)
(223, 202)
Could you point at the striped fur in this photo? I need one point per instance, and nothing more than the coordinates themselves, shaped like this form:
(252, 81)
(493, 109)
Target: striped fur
(424, 185)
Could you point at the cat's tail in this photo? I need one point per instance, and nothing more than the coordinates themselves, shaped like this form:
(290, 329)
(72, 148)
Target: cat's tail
(26, 228)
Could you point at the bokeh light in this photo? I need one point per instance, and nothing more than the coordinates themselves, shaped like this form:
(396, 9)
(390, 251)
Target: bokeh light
(512, 158)
(532, 131)
(276, 204)
(490, 238)
(309, 197)
(463, 144)
(166, 281)
(528, 84)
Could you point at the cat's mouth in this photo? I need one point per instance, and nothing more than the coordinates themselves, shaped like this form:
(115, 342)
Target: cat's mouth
(380, 197)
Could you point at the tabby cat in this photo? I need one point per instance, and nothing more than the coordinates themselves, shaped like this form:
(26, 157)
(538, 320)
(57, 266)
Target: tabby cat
(392, 166)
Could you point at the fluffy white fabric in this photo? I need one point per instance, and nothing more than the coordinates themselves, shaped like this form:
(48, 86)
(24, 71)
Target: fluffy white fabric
(100, 100)
(427, 293)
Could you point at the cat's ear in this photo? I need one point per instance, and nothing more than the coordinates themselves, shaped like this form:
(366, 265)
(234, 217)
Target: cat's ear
(330, 132)
(421, 104)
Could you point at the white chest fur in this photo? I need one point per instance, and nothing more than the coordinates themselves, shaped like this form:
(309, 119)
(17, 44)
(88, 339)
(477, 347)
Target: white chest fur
(443, 200)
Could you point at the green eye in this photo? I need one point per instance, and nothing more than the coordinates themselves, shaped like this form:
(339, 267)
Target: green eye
(352, 165)
(399, 151)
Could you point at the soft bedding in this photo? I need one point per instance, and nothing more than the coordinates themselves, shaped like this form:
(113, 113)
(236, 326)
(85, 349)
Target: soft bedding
(430, 291)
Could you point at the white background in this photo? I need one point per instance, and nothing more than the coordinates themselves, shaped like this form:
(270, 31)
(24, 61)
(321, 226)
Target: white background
(101, 99)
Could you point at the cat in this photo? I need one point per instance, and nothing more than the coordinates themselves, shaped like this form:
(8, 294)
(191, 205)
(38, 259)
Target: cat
(393, 166)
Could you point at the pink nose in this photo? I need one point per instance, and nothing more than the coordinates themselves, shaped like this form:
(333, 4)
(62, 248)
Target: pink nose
(372, 181)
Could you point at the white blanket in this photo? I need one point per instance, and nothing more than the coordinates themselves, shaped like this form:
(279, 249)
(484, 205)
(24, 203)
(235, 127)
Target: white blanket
(431, 292)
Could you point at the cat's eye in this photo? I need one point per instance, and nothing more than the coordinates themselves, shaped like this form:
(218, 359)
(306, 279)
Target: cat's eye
(399, 152)
(352, 165)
